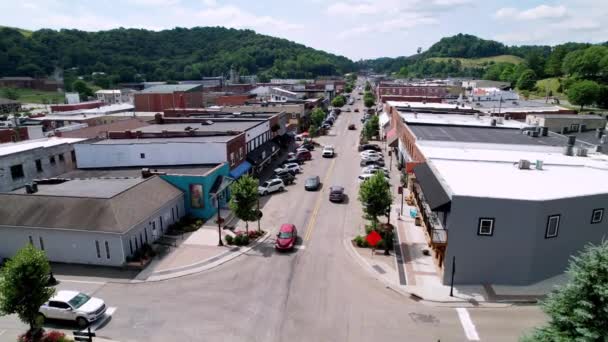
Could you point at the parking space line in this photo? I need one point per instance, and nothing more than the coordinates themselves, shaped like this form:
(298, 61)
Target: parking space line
(467, 324)
(313, 218)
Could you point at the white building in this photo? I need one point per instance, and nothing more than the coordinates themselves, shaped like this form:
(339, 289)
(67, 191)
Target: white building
(282, 95)
(493, 94)
(114, 96)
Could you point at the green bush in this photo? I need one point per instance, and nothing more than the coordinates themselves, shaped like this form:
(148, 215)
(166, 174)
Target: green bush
(229, 239)
(358, 240)
(238, 240)
(245, 240)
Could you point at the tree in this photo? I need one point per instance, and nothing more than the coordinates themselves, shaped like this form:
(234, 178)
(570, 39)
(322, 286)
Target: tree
(82, 88)
(244, 199)
(10, 93)
(583, 93)
(403, 72)
(577, 310)
(602, 99)
(317, 116)
(372, 127)
(338, 101)
(369, 102)
(527, 80)
(313, 130)
(376, 197)
(368, 86)
(24, 285)
(536, 62)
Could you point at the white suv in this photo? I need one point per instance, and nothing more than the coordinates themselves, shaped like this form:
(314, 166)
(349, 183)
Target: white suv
(270, 186)
(328, 152)
(73, 306)
(293, 168)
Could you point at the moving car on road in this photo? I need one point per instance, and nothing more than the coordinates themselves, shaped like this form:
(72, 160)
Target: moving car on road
(271, 186)
(336, 194)
(328, 151)
(73, 306)
(352, 127)
(287, 237)
(312, 183)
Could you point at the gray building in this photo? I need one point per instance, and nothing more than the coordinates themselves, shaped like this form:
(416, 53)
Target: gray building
(509, 214)
(88, 221)
(22, 162)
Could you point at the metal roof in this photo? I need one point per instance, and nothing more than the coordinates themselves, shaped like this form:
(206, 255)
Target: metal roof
(434, 193)
(170, 88)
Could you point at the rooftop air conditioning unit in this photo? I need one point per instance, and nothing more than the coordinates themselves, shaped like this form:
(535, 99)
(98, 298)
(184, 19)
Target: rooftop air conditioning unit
(523, 164)
(581, 152)
(539, 164)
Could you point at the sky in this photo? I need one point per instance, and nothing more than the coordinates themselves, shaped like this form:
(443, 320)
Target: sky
(358, 29)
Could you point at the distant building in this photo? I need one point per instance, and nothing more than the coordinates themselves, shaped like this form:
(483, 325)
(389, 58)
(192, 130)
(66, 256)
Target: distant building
(72, 98)
(410, 89)
(9, 106)
(24, 161)
(31, 83)
(282, 95)
(101, 131)
(113, 96)
(471, 84)
(493, 94)
(566, 124)
(161, 97)
(22, 133)
(75, 106)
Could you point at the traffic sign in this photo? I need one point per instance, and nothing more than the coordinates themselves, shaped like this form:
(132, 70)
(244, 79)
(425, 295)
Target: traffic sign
(373, 238)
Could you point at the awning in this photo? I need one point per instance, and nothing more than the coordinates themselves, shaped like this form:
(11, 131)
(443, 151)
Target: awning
(434, 193)
(383, 119)
(392, 137)
(241, 169)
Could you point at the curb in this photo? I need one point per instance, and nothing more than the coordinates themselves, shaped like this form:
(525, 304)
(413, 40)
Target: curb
(201, 266)
(415, 297)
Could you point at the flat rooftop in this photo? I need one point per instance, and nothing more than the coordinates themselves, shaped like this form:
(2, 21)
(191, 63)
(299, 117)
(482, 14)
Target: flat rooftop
(88, 188)
(184, 140)
(458, 119)
(483, 135)
(426, 105)
(135, 172)
(216, 126)
(514, 106)
(494, 173)
(11, 148)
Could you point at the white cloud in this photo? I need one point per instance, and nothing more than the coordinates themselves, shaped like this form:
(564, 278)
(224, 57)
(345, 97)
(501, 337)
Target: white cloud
(343, 8)
(164, 3)
(395, 25)
(535, 13)
(210, 3)
(232, 16)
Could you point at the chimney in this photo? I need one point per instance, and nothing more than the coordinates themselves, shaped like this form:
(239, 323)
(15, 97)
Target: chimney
(128, 134)
(599, 132)
(138, 134)
(568, 150)
(571, 140)
(145, 173)
(28, 189)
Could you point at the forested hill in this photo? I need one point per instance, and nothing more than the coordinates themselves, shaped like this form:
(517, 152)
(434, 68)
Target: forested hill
(127, 55)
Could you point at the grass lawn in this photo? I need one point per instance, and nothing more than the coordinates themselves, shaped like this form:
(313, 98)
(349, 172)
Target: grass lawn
(478, 62)
(36, 96)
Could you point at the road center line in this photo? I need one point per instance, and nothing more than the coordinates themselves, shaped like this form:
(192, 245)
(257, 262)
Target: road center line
(467, 324)
(313, 218)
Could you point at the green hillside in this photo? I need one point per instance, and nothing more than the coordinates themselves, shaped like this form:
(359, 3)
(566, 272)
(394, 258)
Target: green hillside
(24, 32)
(481, 62)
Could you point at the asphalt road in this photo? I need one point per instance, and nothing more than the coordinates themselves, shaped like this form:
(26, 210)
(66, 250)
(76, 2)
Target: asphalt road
(316, 293)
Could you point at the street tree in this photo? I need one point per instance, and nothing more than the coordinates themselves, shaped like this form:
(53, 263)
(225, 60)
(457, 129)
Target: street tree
(338, 101)
(527, 80)
(577, 311)
(24, 285)
(369, 102)
(313, 130)
(317, 116)
(583, 93)
(82, 89)
(244, 199)
(368, 86)
(376, 197)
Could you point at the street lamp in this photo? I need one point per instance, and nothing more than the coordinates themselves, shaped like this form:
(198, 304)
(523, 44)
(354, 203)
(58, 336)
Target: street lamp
(219, 222)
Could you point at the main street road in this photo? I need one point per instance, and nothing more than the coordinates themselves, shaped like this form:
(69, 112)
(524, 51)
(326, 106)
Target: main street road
(316, 293)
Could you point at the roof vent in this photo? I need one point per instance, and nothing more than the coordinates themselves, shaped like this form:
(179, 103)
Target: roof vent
(603, 139)
(581, 152)
(544, 131)
(535, 134)
(524, 164)
(568, 150)
(539, 164)
(571, 140)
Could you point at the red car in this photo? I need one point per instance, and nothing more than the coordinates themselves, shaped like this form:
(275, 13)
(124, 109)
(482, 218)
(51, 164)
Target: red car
(286, 239)
(304, 155)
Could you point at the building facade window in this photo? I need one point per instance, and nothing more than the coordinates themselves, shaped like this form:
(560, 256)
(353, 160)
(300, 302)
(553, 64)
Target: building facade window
(61, 158)
(146, 234)
(41, 243)
(131, 246)
(97, 249)
(73, 153)
(552, 226)
(31, 240)
(160, 219)
(142, 155)
(486, 226)
(597, 215)
(52, 160)
(107, 250)
(38, 165)
(17, 172)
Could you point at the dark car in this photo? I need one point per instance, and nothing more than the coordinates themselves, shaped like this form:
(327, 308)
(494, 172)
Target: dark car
(357, 110)
(336, 194)
(352, 127)
(326, 126)
(379, 162)
(304, 155)
(312, 183)
(286, 177)
(308, 145)
(372, 147)
(292, 160)
(287, 237)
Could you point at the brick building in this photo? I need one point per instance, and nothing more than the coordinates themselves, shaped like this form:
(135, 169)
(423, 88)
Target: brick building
(161, 97)
(424, 90)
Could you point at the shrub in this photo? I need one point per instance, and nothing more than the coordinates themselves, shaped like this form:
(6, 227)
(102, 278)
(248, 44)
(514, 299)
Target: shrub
(199, 223)
(358, 240)
(229, 239)
(238, 240)
(245, 240)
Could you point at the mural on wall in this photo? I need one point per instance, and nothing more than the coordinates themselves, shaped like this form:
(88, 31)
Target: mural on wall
(196, 196)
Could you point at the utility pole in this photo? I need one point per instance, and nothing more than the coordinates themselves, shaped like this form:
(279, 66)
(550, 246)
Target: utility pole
(453, 271)
(219, 222)
(258, 213)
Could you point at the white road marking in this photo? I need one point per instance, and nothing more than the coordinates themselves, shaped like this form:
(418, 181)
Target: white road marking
(81, 281)
(109, 311)
(299, 247)
(467, 324)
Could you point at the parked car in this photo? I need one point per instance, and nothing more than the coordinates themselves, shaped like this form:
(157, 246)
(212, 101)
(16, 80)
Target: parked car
(287, 237)
(372, 157)
(292, 159)
(365, 176)
(374, 147)
(347, 109)
(271, 186)
(374, 168)
(292, 168)
(312, 183)
(304, 155)
(286, 177)
(370, 153)
(307, 145)
(373, 173)
(356, 110)
(352, 127)
(372, 162)
(326, 126)
(336, 194)
(328, 152)
(73, 306)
